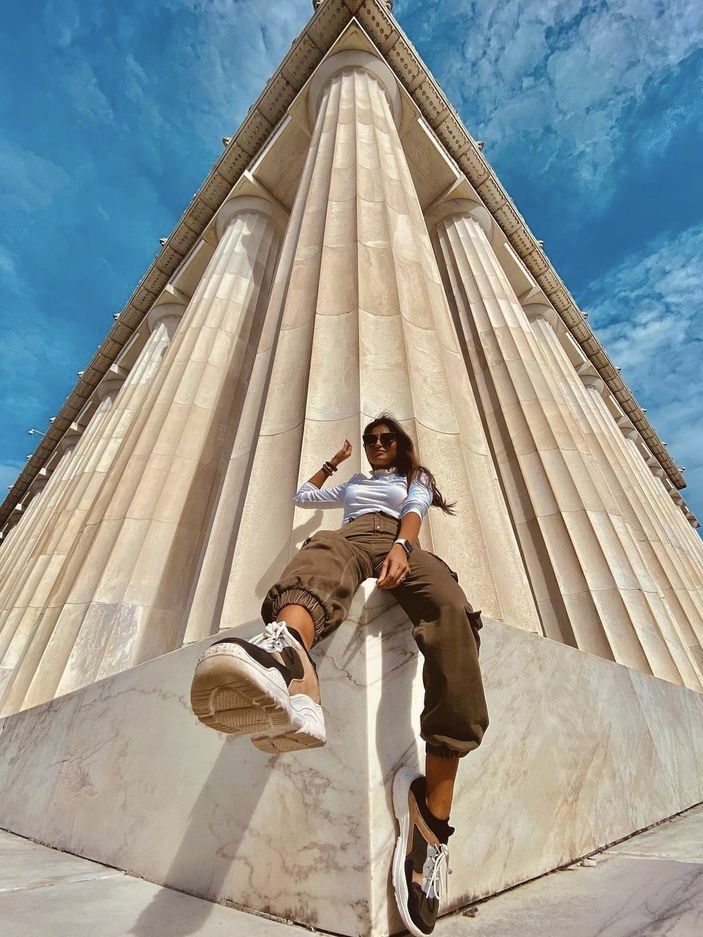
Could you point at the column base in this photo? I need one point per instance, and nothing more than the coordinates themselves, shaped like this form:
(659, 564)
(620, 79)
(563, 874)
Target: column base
(580, 752)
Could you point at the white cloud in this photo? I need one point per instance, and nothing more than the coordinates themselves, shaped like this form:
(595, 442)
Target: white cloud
(83, 88)
(559, 76)
(28, 182)
(7, 266)
(648, 312)
(61, 22)
(228, 49)
(28, 355)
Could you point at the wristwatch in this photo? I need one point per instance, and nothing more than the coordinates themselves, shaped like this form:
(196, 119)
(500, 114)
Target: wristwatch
(405, 544)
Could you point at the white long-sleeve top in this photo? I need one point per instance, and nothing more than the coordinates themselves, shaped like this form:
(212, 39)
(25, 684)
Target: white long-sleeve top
(382, 490)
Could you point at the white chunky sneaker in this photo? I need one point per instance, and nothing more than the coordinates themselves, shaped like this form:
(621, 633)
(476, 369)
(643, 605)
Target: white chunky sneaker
(267, 688)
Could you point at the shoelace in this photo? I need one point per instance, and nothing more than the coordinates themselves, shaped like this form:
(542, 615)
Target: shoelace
(435, 871)
(272, 637)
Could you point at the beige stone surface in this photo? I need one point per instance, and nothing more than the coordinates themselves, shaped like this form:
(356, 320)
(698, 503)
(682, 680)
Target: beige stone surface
(43, 890)
(587, 571)
(126, 581)
(550, 783)
(660, 523)
(365, 327)
(120, 402)
(29, 574)
(30, 506)
(17, 551)
(620, 890)
(651, 615)
(670, 578)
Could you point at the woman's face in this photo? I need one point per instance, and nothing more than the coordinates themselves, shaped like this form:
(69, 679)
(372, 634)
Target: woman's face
(381, 456)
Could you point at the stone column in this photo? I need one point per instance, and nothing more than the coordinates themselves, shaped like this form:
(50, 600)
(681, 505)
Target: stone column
(27, 531)
(683, 536)
(644, 522)
(29, 602)
(364, 328)
(123, 595)
(675, 530)
(686, 525)
(14, 611)
(564, 511)
(11, 523)
(665, 644)
(682, 553)
(119, 403)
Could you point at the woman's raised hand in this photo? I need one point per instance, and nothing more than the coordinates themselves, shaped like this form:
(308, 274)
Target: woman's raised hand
(342, 454)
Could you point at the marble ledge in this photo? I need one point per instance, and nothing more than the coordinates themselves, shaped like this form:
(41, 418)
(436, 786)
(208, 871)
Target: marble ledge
(580, 752)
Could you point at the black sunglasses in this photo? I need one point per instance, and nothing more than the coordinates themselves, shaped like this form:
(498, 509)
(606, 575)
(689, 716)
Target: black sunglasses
(387, 439)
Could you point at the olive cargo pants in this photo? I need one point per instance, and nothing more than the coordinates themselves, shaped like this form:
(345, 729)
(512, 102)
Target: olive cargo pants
(323, 577)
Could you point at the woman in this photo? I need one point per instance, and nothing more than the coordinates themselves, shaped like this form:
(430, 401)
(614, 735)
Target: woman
(268, 687)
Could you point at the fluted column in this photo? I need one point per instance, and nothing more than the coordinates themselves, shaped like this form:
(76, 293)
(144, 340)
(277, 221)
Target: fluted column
(365, 327)
(29, 601)
(11, 523)
(687, 541)
(25, 533)
(645, 523)
(686, 525)
(124, 594)
(682, 551)
(119, 403)
(675, 531)
(565, 513)
(18, 614)
(665, 641)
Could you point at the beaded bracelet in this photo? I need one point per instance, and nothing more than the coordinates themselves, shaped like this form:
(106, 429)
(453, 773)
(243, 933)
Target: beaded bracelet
(329, 468)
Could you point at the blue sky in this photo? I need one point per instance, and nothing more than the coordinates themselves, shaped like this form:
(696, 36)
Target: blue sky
(591, 113)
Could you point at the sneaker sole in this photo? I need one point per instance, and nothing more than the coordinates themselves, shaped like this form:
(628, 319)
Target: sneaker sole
(233, 694)
(401, 789)
(310, 734)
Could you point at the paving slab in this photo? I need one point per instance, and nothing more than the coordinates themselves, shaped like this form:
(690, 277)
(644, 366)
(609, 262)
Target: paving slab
(48, 893)
(650, 885)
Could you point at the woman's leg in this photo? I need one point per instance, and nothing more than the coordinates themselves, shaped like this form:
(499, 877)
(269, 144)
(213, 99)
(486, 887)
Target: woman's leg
(299, 618)
(440, 774)
(445, 628)
(320, 580)
(453, 721)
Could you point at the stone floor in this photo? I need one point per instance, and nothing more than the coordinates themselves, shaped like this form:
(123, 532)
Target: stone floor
(647, 886)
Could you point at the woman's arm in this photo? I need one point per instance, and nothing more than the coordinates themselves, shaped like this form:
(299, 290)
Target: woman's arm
(410, 527)
(309, 495)
(310, 492)
(319, 478)
(417, 503)
(412, 511)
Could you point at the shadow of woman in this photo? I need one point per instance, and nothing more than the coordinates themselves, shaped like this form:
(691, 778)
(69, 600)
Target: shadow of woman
(210, 845)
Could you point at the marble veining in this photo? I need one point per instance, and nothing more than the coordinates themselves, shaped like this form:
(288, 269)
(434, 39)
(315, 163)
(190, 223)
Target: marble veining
(580, 752)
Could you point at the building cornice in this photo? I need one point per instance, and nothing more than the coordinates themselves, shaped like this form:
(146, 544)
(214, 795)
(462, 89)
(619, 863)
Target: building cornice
(305, 54)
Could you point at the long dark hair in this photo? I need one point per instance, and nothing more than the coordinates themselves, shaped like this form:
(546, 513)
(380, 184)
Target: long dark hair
(406, 461)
